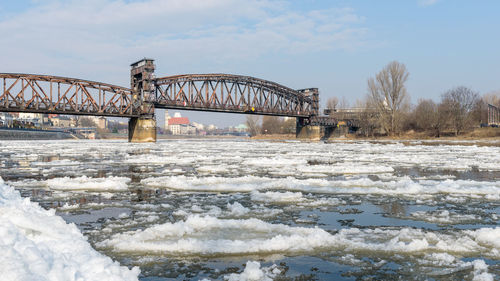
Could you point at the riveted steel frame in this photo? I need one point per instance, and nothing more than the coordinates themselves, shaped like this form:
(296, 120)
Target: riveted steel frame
(61, 95)
(231, 93)
(493, 115)
(206, 92)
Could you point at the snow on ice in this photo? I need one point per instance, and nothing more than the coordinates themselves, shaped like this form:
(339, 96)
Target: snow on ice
(36, 244)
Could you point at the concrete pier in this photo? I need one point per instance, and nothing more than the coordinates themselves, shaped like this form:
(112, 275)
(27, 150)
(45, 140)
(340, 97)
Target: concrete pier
(141, 129)
(308, 132)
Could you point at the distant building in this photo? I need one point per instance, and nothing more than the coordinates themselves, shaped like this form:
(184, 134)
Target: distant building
(102, 123)
(241, 128)
(6, 120)
(181, 126)
(167, 118)
(32, 119)
(198, 126)
(211, 127)
(24, 115)
(62, 121)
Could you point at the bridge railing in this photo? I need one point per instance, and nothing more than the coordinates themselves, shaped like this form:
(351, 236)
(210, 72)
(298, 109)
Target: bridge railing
(61, 95)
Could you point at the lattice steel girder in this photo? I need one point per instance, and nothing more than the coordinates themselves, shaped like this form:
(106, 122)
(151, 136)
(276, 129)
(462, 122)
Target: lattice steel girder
(62, 95)
(231, 93)
(323, 121)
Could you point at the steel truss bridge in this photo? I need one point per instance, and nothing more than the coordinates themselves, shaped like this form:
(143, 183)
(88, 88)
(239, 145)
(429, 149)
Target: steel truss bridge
(206, 92)
(61, 95)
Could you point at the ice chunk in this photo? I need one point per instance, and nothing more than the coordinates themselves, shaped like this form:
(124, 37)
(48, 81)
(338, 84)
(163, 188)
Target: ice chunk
(207, 235)
(86, 183)
(271, 196)
(253, 272)
(38, 245)
(236, 209)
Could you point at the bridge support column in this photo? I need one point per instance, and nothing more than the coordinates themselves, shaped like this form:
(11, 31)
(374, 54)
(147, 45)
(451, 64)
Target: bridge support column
(142, 129)
(339, 131)
(307, 132)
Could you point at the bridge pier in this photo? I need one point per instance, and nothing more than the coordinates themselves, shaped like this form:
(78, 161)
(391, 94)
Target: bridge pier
(307, 131)
(142, 129)
(333, 132)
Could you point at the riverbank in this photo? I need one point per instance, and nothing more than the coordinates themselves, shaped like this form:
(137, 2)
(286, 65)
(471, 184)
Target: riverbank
(480, 136)
(33, 134)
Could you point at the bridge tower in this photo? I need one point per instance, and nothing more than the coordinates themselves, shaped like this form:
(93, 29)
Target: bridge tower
(143, 128)
(306, 127)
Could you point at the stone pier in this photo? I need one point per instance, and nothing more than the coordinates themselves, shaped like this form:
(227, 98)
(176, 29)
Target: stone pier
(142, 129)
(305, 131)
(308, 132)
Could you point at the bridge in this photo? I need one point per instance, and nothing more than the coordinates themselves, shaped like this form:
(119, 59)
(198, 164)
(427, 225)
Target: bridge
(206, 92)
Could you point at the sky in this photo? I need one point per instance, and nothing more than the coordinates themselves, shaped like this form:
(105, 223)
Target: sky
(332, 45)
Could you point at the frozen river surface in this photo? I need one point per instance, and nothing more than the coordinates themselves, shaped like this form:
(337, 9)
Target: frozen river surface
(247, 210)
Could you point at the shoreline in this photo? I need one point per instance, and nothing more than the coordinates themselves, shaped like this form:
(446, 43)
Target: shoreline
(470, 138)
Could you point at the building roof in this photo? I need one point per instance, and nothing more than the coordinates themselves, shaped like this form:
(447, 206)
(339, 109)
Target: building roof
(144, 59)
(178, 121)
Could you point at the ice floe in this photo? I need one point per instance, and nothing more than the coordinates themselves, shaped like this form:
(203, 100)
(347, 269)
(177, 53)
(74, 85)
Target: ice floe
(38, 245)
(444, 217)
(271, 196)
(206, 235)
(91, 184)
(253, 272)
(403, 186)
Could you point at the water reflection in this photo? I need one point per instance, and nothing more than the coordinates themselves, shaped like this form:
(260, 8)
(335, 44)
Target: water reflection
(394, 209)
(49, 158)
(148, 194)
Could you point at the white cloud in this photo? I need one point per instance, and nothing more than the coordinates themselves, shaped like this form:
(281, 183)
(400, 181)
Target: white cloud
(102, 37)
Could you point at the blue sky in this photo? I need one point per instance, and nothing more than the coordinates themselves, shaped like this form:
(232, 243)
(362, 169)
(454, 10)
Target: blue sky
(333, 45)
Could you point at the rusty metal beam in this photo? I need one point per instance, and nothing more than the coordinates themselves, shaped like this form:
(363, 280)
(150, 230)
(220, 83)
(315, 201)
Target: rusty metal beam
(204, 92)
(232, 93)
(62, 95)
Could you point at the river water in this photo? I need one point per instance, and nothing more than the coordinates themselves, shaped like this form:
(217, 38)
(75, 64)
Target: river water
(227, 209)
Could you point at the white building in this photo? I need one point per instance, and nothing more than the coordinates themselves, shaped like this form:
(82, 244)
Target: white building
(198, 126)
(167, 117)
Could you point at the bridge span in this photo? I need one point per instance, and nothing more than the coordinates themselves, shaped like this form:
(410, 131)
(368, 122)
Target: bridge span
(206, 92)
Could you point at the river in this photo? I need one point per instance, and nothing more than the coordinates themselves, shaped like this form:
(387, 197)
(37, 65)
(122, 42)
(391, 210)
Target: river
(232, 209)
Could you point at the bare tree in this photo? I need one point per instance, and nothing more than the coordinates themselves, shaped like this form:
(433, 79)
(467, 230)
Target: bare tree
(480, 112)
(430, 116)
(288, 126)
(459, 104)
(86, 122)
(425, 114)
(253, 124)
(492, 98)
(332, 103)
(368, 120)
(343, 103)
(271, 125)
(389, 94)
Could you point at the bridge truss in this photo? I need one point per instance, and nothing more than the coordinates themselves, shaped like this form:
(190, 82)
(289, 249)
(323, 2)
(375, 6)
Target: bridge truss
(61, 95)
(206, 92)
(493, 115)
(233, 93)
